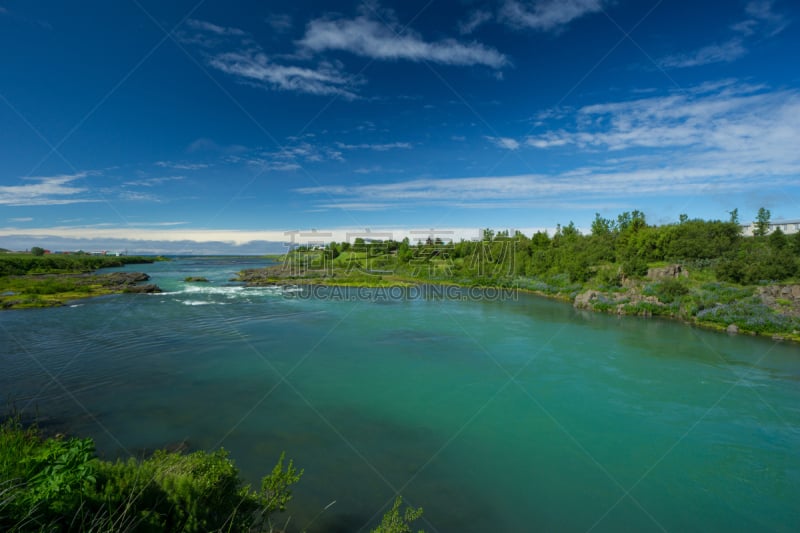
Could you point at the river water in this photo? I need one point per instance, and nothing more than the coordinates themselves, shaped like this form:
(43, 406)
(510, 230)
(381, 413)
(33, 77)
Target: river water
(492, 411)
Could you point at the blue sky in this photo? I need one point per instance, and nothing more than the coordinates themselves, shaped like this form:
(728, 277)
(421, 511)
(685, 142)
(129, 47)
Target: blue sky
(207, 126)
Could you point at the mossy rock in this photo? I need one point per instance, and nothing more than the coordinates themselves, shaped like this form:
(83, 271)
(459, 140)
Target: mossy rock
(195, 279)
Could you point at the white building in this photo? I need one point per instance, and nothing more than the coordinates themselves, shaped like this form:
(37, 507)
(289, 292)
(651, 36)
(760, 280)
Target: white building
(786, 226)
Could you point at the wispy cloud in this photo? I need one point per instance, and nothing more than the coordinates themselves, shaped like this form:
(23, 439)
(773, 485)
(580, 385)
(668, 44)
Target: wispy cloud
(476, 19)
(137, 196)
(292, 156)
(504, 142)
(234, 52)
(254, 66)
(181, 166)
(762, 21)
(375, 169)
(21, 219)
(725, 136)
(355, 206)
(547, 15)
(726, 52)
(730, 118)
(152, 182)
(278, 22)
(376, 147)
(213, 28)
(204, 144)
(367, 37)
(45, 190)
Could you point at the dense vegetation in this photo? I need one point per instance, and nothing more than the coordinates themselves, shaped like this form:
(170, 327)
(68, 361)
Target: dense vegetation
(39, 280)
(628, 243)
(59, 484)
(720, 270)
(19, 264)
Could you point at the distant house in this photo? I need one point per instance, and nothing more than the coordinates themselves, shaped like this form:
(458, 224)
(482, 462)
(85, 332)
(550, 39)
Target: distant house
(786, 226)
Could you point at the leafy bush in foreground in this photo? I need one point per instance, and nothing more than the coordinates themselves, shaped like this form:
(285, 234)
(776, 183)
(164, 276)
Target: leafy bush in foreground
(59, 484)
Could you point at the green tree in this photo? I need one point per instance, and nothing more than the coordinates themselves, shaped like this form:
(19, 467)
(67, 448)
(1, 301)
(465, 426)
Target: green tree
(778, 241)
(795, 239)
(762, 222)
(601, 226)
(37, 251)
(734, 216)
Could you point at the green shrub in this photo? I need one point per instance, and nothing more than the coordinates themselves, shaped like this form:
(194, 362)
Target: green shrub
(669, 290)
(634, 267)
(394, 522)
(60, 485)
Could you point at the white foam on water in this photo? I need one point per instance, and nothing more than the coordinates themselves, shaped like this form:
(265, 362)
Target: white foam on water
(229, 292)
(292, 289)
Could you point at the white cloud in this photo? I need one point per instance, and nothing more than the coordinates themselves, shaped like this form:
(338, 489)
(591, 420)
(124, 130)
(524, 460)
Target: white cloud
(355, 206)
(279, 166)
(47, 190)
(21, 219)
(135, 196)
(246, 60)
(152, 182)
(504, 142)
(234, 52)
(726, 52)
(180, 165)
(292, 156)
(204, 144)
(550, 139)
(146, 239)
(213, 28)
(590, 184)
(724, 136)
(476, 19)
(762, 22)
(279, 23)
(255, 66)
(739, 121)
(370, 38)
(547, 15)
(375, 147)
(763, 16)
(147, 232)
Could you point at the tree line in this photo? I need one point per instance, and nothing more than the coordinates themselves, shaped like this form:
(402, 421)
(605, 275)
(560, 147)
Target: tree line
(615, 248)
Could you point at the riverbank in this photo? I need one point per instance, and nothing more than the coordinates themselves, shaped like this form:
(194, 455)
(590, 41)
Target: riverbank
(671, 291)
(28, 281)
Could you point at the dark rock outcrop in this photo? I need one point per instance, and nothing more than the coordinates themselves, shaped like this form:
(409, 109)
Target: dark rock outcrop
(142, 289)
(783, 298)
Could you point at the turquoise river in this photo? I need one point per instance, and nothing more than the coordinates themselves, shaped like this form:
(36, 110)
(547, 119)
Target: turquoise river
(494, 412)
